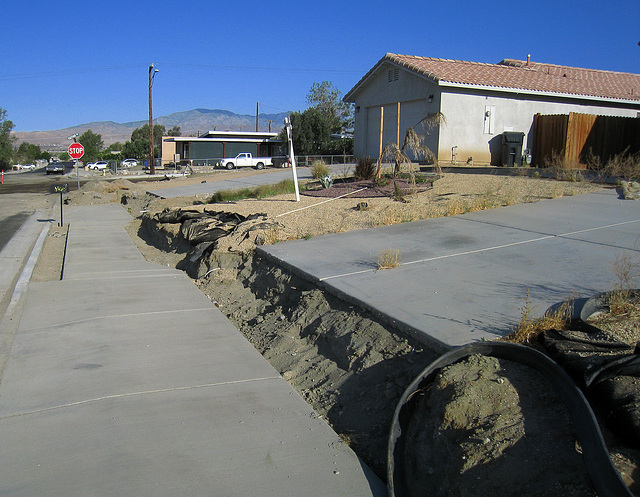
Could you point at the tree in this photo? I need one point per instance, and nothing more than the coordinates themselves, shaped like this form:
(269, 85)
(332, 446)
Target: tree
(310, 132)
(414, 143)
(92, 143)
(327, 114)
(328, 100)
(114, 147)
(27, 152)
(6, 140)
(138, 147)
(175, 131)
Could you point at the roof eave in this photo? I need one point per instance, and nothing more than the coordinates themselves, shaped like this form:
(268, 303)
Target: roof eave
(221, 139)
(537, 92)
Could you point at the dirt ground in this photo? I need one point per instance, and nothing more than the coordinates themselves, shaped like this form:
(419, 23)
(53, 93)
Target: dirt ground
(493, 419)
(351, 368)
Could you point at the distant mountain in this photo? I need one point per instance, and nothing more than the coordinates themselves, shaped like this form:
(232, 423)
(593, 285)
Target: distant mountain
(191, 123)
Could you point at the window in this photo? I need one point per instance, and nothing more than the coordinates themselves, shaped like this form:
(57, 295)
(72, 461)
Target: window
(393, 75)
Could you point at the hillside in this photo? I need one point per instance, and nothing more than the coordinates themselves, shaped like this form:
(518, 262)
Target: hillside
(191, 122)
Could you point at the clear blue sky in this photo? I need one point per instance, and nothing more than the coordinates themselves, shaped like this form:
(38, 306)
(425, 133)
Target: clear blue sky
(68, 63)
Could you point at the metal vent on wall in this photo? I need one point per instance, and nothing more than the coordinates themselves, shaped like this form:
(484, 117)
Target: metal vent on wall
(393, 75)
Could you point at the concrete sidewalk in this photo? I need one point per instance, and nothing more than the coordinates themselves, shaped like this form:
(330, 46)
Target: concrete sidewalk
(465, 278)
(124, 379)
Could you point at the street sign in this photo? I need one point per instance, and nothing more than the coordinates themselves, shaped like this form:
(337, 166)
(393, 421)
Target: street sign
(76, 150)
(59, 188)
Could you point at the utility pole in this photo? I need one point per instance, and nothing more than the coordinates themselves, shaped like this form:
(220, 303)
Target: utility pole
(257, 114)
(269, 121)
(152, 165)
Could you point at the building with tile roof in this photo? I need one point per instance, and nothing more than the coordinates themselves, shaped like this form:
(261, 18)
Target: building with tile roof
(479, 101)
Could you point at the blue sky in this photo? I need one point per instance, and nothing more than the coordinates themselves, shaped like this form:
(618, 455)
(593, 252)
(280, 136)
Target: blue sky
(69, 63)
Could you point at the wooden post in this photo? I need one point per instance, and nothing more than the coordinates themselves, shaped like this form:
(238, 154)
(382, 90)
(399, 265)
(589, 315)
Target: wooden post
(379, 169)
(381, 129)
(398, 127)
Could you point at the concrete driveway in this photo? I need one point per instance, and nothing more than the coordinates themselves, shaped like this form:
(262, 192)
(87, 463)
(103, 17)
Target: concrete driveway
(466, 278)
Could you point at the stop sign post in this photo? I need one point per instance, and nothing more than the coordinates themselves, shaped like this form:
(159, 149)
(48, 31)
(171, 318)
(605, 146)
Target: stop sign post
(76, 150)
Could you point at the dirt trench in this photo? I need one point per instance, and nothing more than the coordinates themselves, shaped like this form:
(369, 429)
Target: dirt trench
(346, 364)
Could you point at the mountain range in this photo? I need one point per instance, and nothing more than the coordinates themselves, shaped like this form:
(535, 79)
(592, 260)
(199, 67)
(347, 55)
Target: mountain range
(191, 123)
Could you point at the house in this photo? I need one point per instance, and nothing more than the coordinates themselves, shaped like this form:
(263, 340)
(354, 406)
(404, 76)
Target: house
(208, 148)
(479, 102)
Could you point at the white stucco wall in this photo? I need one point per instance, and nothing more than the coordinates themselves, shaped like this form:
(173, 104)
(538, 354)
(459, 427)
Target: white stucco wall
(467, 126)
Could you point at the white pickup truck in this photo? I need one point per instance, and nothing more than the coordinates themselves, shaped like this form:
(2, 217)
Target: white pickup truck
(243, 160)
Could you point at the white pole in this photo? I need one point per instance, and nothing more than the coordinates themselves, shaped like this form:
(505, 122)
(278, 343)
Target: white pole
(292, 156)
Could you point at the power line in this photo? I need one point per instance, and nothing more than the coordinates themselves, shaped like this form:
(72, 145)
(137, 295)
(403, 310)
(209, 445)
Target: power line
(267, 69)
(50, 74)
(88, 70)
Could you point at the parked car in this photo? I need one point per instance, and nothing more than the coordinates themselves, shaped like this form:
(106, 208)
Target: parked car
(246, 159)
(99, 165)
(129, 163)
(54, 168)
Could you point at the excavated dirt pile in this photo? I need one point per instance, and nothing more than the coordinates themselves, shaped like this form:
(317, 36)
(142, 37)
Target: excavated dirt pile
(348, 366)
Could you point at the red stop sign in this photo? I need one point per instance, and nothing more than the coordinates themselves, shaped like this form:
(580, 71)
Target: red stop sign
(76, 150)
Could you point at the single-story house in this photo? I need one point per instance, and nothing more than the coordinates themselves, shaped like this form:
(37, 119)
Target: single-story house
(479, 102)
(208, 148)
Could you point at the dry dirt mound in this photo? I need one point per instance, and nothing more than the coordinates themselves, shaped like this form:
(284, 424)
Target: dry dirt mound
(489, 426)
(104, 192)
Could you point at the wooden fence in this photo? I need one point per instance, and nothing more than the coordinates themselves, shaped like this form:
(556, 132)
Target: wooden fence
(578, 139)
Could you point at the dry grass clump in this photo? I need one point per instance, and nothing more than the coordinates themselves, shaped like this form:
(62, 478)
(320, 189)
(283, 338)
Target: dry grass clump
(365, 168)
(388, 259)
(319, 170)
(624, 300)
(528, 329)
(624, 165)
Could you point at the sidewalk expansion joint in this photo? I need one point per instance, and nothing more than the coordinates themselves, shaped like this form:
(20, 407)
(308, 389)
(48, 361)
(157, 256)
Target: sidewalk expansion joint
(133, 314)
(109, 276)
(567, 235)
(136, 394)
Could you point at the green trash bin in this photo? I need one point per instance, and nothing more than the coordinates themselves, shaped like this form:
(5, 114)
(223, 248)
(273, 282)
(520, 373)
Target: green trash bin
(512, 142)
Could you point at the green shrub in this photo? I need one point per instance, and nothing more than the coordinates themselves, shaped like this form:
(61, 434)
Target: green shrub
(319, 169)
(326, 181)
(365, 168)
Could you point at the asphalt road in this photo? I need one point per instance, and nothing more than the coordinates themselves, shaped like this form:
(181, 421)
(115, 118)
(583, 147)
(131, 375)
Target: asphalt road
(21, 194)
(9, 225)
(35, 182)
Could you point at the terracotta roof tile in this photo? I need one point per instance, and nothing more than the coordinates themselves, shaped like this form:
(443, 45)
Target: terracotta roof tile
(517, 74)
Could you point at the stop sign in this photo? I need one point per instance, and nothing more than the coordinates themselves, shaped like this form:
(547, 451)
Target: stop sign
(76, 150)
